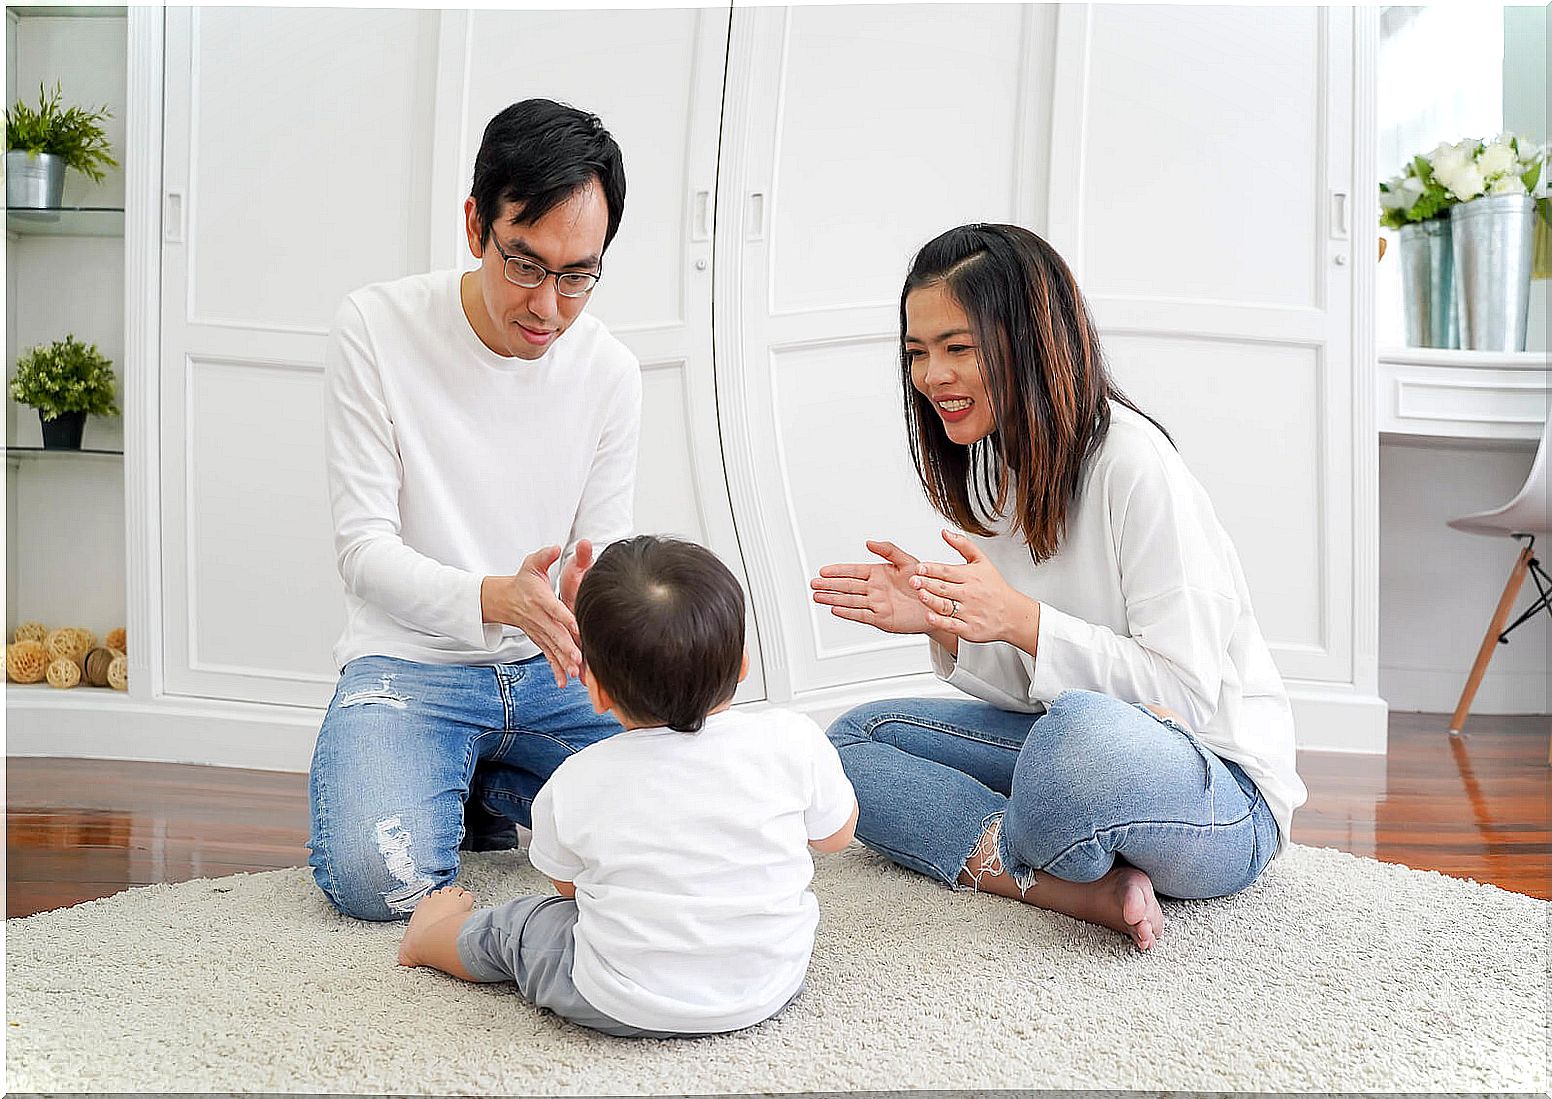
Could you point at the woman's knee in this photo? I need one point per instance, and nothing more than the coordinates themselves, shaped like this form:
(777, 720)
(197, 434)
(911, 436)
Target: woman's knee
(856, 725)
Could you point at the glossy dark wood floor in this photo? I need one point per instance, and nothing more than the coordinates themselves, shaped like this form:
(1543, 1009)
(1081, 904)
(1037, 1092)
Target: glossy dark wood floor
(1476, 807)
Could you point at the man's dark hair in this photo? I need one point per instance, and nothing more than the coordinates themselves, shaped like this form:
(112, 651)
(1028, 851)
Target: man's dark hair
(662, 625)
(538, 153)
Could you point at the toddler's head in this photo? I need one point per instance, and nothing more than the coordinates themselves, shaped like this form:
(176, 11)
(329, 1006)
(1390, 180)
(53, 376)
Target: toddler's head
(662, 625)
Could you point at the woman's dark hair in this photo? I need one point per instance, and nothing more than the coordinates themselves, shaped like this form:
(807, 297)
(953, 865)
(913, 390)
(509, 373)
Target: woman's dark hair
(662, 625)
(1044, 374)
(538, 153)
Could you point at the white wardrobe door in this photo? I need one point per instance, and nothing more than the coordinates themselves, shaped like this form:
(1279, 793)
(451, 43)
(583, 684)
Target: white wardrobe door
(276, 205)
(852, 136)
(655, 79)
(1208, 222)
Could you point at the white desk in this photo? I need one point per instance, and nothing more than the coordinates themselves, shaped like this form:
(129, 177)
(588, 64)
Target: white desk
(1466, 395)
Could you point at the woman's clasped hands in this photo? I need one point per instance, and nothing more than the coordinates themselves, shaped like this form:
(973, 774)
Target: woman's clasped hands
(969, 601)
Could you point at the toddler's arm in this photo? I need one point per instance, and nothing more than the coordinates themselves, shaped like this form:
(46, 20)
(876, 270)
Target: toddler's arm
(839, 839)
(565, 888)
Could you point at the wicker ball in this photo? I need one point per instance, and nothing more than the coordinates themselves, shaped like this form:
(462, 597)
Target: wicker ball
(94, 669)
(26, 661)
(117, 639)
(65, 644)
(118, 673)
(85, 638)
(30, 631)
(64, 673)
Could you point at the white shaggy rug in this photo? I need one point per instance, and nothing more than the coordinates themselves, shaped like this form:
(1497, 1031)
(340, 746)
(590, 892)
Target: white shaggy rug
(1333, 973)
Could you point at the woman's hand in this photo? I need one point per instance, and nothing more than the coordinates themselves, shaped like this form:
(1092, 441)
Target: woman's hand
(878, 595)
(973, 602)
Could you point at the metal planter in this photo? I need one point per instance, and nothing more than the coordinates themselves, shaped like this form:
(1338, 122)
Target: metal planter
(1494, 242)
(1427, 281)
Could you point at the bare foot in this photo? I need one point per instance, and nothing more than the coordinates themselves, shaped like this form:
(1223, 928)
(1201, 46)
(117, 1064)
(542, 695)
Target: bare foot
(1122, 900)
(434, 907)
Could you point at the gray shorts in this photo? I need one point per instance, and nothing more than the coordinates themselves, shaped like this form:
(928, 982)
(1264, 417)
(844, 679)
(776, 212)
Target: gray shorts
(529, 941)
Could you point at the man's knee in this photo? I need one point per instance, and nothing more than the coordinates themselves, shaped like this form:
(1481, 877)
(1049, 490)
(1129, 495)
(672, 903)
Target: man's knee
(382, 870)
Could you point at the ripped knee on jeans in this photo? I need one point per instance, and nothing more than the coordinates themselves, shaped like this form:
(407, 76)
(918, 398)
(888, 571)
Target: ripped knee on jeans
(989, 861)
(394, 844)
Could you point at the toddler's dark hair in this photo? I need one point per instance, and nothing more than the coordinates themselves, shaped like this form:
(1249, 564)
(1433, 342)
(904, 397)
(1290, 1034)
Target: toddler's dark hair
(662, 625)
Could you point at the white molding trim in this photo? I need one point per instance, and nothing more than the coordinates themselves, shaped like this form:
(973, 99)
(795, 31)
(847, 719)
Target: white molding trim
(450, 119)
(142, 348)
(1069, 133)
(1364, 207)
(86, 724)
(733, 398)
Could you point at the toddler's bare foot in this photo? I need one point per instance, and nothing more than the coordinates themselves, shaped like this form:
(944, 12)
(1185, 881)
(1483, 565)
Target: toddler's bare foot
(434, 907)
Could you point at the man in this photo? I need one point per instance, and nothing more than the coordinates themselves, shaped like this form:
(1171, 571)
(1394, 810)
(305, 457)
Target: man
(471, 419)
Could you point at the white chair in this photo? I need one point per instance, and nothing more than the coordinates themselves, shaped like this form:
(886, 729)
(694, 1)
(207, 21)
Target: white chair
(1522, 519)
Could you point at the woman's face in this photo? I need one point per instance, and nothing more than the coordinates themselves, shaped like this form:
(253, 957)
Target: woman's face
(946, 363)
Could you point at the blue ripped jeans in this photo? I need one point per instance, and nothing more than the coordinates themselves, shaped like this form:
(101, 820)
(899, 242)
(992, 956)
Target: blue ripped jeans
(1091, 780)
(415, 761)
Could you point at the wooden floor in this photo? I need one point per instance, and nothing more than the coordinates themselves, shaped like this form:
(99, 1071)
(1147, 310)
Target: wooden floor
(1475, 806)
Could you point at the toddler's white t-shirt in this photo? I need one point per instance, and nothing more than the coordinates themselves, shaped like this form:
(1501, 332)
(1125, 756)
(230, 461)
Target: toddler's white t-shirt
(690, 856)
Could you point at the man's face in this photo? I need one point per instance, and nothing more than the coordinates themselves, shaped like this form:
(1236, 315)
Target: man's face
(525, 323)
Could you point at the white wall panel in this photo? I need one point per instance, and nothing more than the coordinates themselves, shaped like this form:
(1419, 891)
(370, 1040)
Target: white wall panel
(895, 124)
(667, 480)
(640, 72)
(1200, 166)
(264, 597)
(837, 494)
(1256, 446)
(296, 196)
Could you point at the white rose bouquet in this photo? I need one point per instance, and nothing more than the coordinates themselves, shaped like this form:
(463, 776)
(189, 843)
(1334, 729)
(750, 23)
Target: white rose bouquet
(1450, 174)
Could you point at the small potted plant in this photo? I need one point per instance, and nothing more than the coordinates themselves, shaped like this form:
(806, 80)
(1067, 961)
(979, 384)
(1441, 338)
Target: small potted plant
(1417, 205)
(65, 381)
(42, 142)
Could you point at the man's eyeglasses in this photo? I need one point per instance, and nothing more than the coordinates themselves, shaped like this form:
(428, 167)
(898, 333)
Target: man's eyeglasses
(524, 272)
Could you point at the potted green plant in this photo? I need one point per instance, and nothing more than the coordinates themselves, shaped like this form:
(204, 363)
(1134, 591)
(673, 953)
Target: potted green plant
(65, 381)
(42, 142)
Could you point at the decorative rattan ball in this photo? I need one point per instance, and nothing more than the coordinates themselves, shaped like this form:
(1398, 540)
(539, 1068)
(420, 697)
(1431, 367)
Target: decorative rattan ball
(118, 673)
(30, 631)
(64, 672)
(64, 644)
(26, 661)
(86, 638)
(117, 639)
(94, 669)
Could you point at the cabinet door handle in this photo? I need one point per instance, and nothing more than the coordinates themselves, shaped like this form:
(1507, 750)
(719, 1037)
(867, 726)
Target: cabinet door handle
(172, 217)
(756, 216)
(700, 217)
(1339, 228)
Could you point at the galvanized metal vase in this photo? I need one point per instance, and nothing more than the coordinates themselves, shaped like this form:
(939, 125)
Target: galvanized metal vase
(1494, 243)
(33, 181)
(1427, 281)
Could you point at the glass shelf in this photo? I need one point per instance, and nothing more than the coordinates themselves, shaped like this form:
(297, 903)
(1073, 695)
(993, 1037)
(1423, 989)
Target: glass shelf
(37, 451)
(66, 221)
(66, 11)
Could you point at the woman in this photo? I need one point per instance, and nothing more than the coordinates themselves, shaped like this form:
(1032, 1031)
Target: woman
(1133, 733)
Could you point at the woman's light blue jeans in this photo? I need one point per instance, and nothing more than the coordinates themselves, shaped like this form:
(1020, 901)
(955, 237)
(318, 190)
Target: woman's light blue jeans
(405, 746)
(1091, 780)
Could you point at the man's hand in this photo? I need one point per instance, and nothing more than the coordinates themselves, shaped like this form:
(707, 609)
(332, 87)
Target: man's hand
(571, 575)
(525, 600)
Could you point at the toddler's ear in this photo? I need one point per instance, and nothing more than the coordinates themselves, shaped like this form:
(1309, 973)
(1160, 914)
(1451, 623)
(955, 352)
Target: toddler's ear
(743, 669)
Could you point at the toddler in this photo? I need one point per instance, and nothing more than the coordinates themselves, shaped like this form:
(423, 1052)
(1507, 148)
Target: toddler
(679, 847)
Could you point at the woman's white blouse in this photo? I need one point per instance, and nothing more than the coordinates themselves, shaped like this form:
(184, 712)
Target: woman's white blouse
(1145, 600)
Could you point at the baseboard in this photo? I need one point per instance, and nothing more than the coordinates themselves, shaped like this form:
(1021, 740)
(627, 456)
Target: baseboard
(1329, 718)
(1434, 691)
(94, 724)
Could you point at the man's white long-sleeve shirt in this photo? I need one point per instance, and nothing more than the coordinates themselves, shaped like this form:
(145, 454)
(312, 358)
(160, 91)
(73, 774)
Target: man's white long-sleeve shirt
(448, 463)
(1145, 600)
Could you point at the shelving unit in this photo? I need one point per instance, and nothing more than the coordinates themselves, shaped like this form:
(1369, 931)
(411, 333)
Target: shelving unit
(1470, 396)
(67, 221)
(65, 530)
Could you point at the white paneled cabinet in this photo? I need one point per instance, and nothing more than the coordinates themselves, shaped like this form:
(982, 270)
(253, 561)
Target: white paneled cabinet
(1198, 167)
